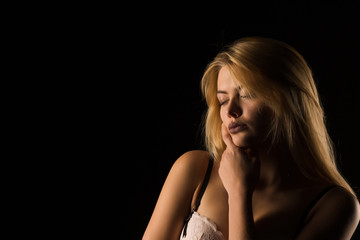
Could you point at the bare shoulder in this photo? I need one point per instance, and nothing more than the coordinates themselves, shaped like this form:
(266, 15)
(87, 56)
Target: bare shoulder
(192, 159)
(341, 200)
(191, 164)
(173, 205)
(335, 216)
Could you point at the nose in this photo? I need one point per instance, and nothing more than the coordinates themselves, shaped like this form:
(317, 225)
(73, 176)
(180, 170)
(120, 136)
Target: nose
(234, 109)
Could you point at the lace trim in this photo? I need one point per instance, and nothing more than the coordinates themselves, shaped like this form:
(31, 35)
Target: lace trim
(194, 232)
(209, 222)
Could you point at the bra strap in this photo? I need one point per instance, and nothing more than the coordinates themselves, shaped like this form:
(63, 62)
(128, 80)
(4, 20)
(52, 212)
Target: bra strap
(204, 185)
(312, 204)
(201, 193)
(315, 201)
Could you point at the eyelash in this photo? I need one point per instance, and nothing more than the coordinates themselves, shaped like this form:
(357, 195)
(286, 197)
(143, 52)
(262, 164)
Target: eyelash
(222, 103)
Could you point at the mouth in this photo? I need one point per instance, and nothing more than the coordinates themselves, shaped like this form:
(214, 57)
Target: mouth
(236, 127)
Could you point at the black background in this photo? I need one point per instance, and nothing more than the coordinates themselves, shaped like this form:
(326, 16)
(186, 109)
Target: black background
(121, 101)
(165, 103)
(162, 104)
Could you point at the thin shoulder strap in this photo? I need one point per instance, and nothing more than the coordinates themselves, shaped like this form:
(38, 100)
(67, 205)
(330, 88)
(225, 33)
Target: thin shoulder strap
(201, 193)
(204, 184)
(316, 199)
(312, 204)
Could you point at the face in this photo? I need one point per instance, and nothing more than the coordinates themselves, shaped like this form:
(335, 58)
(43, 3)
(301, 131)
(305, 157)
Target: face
(246, 117)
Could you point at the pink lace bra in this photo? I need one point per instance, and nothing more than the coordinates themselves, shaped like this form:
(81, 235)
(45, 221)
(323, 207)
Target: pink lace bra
(198, 227)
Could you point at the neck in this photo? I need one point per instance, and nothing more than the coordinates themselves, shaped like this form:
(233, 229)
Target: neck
(278, 170)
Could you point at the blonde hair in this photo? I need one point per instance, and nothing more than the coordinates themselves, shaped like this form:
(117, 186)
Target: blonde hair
(277, 74)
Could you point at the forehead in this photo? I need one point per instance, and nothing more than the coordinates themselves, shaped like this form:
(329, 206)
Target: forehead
(226, 80)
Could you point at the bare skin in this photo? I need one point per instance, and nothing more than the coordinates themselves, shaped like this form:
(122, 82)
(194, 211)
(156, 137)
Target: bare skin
(253, 193)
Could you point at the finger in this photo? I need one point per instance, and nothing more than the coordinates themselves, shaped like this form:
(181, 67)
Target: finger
(227, 137)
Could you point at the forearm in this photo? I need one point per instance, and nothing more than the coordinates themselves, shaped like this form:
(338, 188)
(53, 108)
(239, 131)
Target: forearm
(241, 221)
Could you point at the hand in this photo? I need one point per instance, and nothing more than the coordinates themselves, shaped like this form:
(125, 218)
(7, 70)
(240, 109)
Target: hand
(239, 167)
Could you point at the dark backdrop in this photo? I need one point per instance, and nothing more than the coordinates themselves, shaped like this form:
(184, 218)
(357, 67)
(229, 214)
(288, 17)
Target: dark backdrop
(168, 57)
(119, 101)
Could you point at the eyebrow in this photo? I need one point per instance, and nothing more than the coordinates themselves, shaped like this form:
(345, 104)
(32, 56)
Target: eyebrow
(225, 92)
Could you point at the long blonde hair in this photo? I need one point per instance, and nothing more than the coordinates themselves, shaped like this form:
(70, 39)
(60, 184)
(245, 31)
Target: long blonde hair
(277, 74)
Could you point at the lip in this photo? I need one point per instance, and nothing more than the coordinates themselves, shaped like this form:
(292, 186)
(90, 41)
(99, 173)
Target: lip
(236, 127)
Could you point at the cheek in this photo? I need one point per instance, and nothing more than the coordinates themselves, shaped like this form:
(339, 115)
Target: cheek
(222, 114)
(263, 119)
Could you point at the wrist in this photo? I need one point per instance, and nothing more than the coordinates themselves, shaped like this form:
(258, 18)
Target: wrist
(241, 220)
(240, 195)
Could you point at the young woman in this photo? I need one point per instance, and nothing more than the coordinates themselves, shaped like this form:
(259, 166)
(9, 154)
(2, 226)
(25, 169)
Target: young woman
(269, 170)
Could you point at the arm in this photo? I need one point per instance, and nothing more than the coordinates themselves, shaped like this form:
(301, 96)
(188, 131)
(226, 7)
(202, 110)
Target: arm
(335, 216)
(241, 221)
(239, 172)
(173, 205)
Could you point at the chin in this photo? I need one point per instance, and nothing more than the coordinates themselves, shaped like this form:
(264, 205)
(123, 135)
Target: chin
(241, 142)
(244, 142)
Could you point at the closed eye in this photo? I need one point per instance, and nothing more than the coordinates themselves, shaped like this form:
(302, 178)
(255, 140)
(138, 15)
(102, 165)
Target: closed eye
(223, 102)
(241, 96)
(245, 96)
